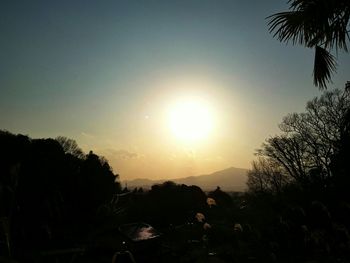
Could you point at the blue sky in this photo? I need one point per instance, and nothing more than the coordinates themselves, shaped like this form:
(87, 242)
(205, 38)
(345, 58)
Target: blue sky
(92, 70)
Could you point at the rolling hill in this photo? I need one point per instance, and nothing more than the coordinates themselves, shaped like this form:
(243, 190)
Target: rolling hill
(230, 179)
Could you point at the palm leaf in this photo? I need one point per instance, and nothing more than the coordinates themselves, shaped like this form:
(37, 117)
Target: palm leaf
(319, 24)
(289, 26)
(324, 65)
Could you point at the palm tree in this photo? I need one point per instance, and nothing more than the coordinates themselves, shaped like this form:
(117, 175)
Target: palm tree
(318, 24)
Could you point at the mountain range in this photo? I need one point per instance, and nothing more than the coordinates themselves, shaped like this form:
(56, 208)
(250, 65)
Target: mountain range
(230, 179)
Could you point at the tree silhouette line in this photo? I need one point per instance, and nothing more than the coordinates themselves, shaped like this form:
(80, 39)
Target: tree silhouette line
(299, 184)
(311, 150)
(296, 207)
(49, 190)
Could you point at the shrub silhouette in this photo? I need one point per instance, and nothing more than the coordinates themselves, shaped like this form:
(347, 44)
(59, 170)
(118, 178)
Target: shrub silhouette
(44, 190)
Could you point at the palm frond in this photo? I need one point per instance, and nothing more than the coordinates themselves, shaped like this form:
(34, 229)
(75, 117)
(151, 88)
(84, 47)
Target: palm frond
(289, 26)
(338, 33)
(324, 66)
(319, 24)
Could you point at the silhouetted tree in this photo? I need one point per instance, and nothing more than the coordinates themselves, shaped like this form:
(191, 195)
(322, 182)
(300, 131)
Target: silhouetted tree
(173, 203)
(310, 141)
(14, 149)
(340, 160)
(318, 24)
(70, 146)
(266, 175)
(98, 182)
(290, 152)
(220, 197)
(45, 192)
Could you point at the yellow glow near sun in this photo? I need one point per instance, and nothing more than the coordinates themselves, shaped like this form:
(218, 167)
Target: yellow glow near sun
(190, 120)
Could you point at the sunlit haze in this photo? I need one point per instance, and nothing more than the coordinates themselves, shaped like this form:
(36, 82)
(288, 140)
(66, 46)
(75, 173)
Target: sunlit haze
(190, 120)
(162, 89)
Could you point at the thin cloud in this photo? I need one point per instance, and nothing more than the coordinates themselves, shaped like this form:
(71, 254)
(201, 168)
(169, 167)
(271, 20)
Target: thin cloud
(121, 154)
(87, 135)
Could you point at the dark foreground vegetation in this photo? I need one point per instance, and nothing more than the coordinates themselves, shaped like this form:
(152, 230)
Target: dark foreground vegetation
(58, 204)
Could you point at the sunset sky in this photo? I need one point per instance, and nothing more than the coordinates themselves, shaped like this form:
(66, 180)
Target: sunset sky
(111, 75)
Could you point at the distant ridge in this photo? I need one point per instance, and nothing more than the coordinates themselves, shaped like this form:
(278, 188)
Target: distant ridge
(230, 179)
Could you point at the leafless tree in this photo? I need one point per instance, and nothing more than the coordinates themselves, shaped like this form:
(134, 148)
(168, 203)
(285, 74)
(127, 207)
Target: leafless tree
(266, 175)
(309, 141)
(70, 146)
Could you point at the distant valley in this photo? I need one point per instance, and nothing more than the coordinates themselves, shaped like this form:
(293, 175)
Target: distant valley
(230, 179)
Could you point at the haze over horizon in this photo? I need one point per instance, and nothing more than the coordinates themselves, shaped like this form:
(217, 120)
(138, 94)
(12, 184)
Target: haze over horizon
(112, 74)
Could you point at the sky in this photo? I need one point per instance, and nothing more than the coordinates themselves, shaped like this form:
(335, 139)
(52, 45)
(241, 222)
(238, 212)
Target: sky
(106, 74)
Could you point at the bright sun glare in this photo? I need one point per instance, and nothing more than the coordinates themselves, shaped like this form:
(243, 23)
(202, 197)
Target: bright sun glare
(190, 120)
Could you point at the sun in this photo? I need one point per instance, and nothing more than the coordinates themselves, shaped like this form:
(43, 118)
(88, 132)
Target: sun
(190, 119)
